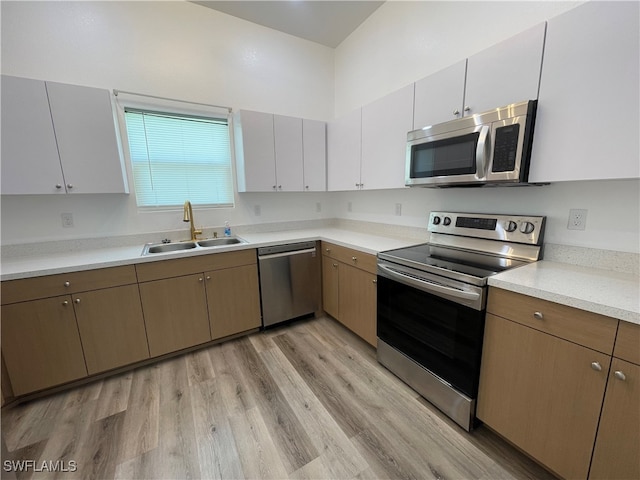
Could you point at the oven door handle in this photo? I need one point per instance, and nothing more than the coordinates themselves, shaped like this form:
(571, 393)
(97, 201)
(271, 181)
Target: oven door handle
(428, 286)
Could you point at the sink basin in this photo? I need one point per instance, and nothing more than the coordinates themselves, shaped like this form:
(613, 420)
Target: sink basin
(219, 242)
(167, 247)
(151, 248)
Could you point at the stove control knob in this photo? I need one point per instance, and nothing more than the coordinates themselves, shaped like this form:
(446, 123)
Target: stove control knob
(511, 226)
(527, 227)
(436, 220)
(446, 221)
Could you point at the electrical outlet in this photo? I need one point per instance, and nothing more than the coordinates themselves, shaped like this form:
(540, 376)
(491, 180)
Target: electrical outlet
(257, 210)
(398, 209)
(67, 220)
(577, 219)
(318, 207)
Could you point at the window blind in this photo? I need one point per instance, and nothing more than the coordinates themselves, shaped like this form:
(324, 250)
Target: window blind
(178, 157)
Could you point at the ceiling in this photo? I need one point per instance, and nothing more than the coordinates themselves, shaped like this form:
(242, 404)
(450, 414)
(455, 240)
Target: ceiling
(323, 21)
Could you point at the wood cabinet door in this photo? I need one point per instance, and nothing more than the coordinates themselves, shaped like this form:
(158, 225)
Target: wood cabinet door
(30, 160)
(439, 96)
(385, 124)
(330, 284)
(506, 73)
(175, 313)
(288, 148)
(84, 123)
(111, 327)
(357, 302)
(314, 144)
(344, 143)
(590, 74)
(255, 152)
(41, 344)
(233, 296)
(618, 441)
(541, 393)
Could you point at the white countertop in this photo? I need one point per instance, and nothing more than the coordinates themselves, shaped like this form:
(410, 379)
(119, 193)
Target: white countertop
(50, 264)
(609, 293)
(601, 291)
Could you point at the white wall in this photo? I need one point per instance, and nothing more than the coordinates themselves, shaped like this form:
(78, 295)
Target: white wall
(174, 49)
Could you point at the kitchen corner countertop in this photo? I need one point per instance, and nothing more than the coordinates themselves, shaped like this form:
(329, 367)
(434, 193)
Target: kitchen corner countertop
(608, 293)
(73, 261)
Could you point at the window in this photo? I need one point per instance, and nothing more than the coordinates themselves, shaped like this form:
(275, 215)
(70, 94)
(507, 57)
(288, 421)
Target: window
(179, 157)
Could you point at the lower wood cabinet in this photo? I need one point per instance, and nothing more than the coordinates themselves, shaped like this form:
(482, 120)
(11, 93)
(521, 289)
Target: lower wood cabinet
(349, 291)
(41, 344)
(563, 385)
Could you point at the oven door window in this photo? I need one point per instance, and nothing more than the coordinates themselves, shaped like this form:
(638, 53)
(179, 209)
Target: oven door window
(449, 156)
(444, 337)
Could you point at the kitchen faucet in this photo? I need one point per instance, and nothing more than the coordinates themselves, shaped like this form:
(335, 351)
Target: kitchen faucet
(188, 217)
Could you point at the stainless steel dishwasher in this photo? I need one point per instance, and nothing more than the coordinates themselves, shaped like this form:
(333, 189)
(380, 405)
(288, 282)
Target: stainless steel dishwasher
(290, 281)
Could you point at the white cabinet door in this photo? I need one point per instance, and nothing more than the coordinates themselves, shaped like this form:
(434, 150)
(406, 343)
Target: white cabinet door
(255, 152)
(288, 148)
(314, 144)
(30, 161)
(588, 111)
(439, 96)
(506, 73)
(344, 151)
(385, 124)
(84, 124)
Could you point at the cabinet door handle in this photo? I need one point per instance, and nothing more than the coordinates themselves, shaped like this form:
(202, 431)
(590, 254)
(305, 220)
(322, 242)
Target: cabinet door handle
(69, 186)
(355, 259)
(327, 250)
(306, 187)
(67, 284)
(335, 265)
(208, 277)
(456, 112)
(596, 366)
(58, 186)
(65, 303)
(200, 279)
(279, 187)
(77, 300)
(467, 108)
(619, 375)
(374, 280)
(538, 315)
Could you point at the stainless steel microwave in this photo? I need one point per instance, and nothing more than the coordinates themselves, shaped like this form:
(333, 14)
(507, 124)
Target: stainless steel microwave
(489, 148)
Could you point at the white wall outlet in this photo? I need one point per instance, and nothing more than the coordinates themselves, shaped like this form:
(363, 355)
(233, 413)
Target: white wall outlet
(577, 219)
(257, 211)
(398, 209)
(318, 207)
(67, 220)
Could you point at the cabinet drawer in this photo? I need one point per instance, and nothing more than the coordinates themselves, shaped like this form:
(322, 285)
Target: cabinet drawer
(52, 285)
(628, 342)
(584, 328)
(190, 265)
(356, 258)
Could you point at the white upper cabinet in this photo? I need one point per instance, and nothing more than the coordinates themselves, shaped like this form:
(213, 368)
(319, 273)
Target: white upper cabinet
(255, 151)
(440, 96)
(58, 138)
(385, 124)
(506, 73)
(288, 147)
(276, 153)
(314, 144)
(588, 112)
(344, 144)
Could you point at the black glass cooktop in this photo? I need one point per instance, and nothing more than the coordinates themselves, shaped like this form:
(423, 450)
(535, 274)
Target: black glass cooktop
(429, 257)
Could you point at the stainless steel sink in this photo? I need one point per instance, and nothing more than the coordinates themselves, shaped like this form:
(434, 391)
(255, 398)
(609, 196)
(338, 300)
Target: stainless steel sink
(151, 248)
(218, 242)
(167, 247)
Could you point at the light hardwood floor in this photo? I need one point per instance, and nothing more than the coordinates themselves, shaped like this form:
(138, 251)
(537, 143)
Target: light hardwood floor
(308, 400)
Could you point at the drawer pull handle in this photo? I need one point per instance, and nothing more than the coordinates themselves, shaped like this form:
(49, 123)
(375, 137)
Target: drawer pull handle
(596, 366)
(67, 284)
(327, 250)
(355, 259)
(538, 315)
(619, 375)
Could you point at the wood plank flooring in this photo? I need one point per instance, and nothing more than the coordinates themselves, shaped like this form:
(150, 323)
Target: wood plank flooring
(304, 401)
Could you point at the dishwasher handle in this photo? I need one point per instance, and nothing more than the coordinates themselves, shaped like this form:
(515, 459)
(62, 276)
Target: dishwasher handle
(287, 254)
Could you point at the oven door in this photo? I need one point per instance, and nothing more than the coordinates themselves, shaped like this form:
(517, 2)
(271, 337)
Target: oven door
(436, 322)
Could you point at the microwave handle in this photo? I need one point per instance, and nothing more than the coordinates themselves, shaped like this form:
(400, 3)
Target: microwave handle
(483, 151)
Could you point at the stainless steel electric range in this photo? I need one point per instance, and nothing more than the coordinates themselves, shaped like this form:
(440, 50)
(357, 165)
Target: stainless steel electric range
(432, 297)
